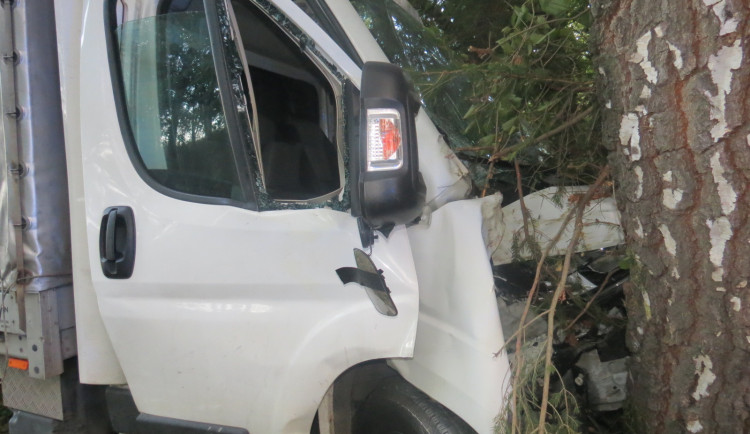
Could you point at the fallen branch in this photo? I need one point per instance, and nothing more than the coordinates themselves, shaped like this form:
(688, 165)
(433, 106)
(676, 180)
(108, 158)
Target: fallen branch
(530, 242)
(491, 169)
(564, 126)
(521, 328)
(527, 307)
(580, 208)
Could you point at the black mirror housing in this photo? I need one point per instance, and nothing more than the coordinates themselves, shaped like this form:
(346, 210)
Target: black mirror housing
(387, 197)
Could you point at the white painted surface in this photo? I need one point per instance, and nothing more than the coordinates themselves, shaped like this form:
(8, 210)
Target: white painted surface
(736, 303)
(694, 426)
(630, 136)
(639, 179)
(646, 304)
(231, 316)
(669, 242)
(459, 326)
(640, 57)
(719, 232)
(706, 377)
(722, 66)
(97, 362)
(601, 223)
(727, 195)
(639, 228)
(727, 22)
(366, 46)
(677, 61)
(237, 317)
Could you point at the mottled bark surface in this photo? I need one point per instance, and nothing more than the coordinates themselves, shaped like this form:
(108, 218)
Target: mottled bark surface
(674, 76)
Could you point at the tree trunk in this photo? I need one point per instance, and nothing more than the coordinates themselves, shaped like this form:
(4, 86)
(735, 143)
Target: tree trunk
(674, 76)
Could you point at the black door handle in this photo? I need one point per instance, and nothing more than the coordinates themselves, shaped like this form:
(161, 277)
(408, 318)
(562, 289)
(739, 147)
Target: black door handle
(117, 242)
(110, 239)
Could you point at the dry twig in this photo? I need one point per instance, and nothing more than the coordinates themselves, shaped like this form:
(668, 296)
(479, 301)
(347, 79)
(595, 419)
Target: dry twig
(580, 208)
(591, 300)
(564, 126)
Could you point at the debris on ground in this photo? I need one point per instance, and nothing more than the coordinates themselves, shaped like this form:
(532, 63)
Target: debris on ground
(590, 355)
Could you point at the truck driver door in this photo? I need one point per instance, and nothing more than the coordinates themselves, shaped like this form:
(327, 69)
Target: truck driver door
(214, 148)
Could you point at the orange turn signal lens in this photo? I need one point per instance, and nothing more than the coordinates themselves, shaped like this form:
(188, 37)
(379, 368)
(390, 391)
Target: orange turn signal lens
(18, 364)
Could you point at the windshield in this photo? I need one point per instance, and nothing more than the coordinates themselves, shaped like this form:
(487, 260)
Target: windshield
(417, 49)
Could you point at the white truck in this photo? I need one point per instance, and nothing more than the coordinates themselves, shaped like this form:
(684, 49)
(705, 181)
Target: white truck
(232, 216)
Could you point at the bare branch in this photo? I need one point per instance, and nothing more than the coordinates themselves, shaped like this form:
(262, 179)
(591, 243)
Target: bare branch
(580, 208)
(569, 123)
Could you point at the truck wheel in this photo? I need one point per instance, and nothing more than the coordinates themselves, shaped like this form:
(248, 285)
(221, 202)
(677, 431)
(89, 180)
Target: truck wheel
(397, 407)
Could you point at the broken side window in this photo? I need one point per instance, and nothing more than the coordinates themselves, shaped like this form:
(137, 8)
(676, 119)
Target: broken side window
(295, 111)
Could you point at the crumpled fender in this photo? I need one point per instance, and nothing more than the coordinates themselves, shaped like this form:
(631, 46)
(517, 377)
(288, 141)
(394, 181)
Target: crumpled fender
(548, 208)
(458, 329)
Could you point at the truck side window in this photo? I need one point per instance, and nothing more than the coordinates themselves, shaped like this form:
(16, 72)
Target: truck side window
(172, 98)
(295, 108)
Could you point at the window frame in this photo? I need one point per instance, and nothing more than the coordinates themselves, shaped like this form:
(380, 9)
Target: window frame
(337, 83)
(324, 17)
(240, 157)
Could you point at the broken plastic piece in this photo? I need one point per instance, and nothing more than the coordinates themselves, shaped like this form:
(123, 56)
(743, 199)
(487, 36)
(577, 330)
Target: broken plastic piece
(606, 381)
(367, 275)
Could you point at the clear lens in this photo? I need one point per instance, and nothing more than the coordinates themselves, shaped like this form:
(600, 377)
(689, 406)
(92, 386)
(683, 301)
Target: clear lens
(384, 150)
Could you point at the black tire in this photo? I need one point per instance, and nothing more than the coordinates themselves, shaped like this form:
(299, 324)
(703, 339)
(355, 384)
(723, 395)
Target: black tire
(397, 407)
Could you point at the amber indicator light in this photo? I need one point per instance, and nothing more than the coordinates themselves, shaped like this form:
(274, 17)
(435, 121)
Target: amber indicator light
(18, 364)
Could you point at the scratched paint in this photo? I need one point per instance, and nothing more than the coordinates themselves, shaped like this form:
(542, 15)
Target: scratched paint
(671, 197)
(721, 66)
(736, 303)
(640, 57)
(638, 228)
(669, 243)
(630, 136)
(639, 179)
(706, 377)
(676, 54)
(694, 426)
(727, 195)
(720, 232)
(727, 22)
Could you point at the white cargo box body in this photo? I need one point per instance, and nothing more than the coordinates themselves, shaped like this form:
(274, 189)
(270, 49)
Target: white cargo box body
(35, 261)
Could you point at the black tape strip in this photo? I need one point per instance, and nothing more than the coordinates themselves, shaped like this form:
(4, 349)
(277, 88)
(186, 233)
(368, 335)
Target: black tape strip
(364, 278)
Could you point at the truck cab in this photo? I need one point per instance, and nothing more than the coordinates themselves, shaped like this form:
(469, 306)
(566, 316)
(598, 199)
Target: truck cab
(238, 219)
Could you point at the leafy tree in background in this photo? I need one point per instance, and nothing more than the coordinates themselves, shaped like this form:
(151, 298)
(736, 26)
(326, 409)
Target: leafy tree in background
(470, 23)
(673, 82)
(519, 75)
(513, 90)
(527, 68)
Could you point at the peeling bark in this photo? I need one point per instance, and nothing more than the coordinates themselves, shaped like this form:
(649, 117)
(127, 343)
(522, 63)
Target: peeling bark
(675, 81)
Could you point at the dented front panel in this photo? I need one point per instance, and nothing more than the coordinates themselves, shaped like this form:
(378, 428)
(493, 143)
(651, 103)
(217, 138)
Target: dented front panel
(548, 210)
(457, 356)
